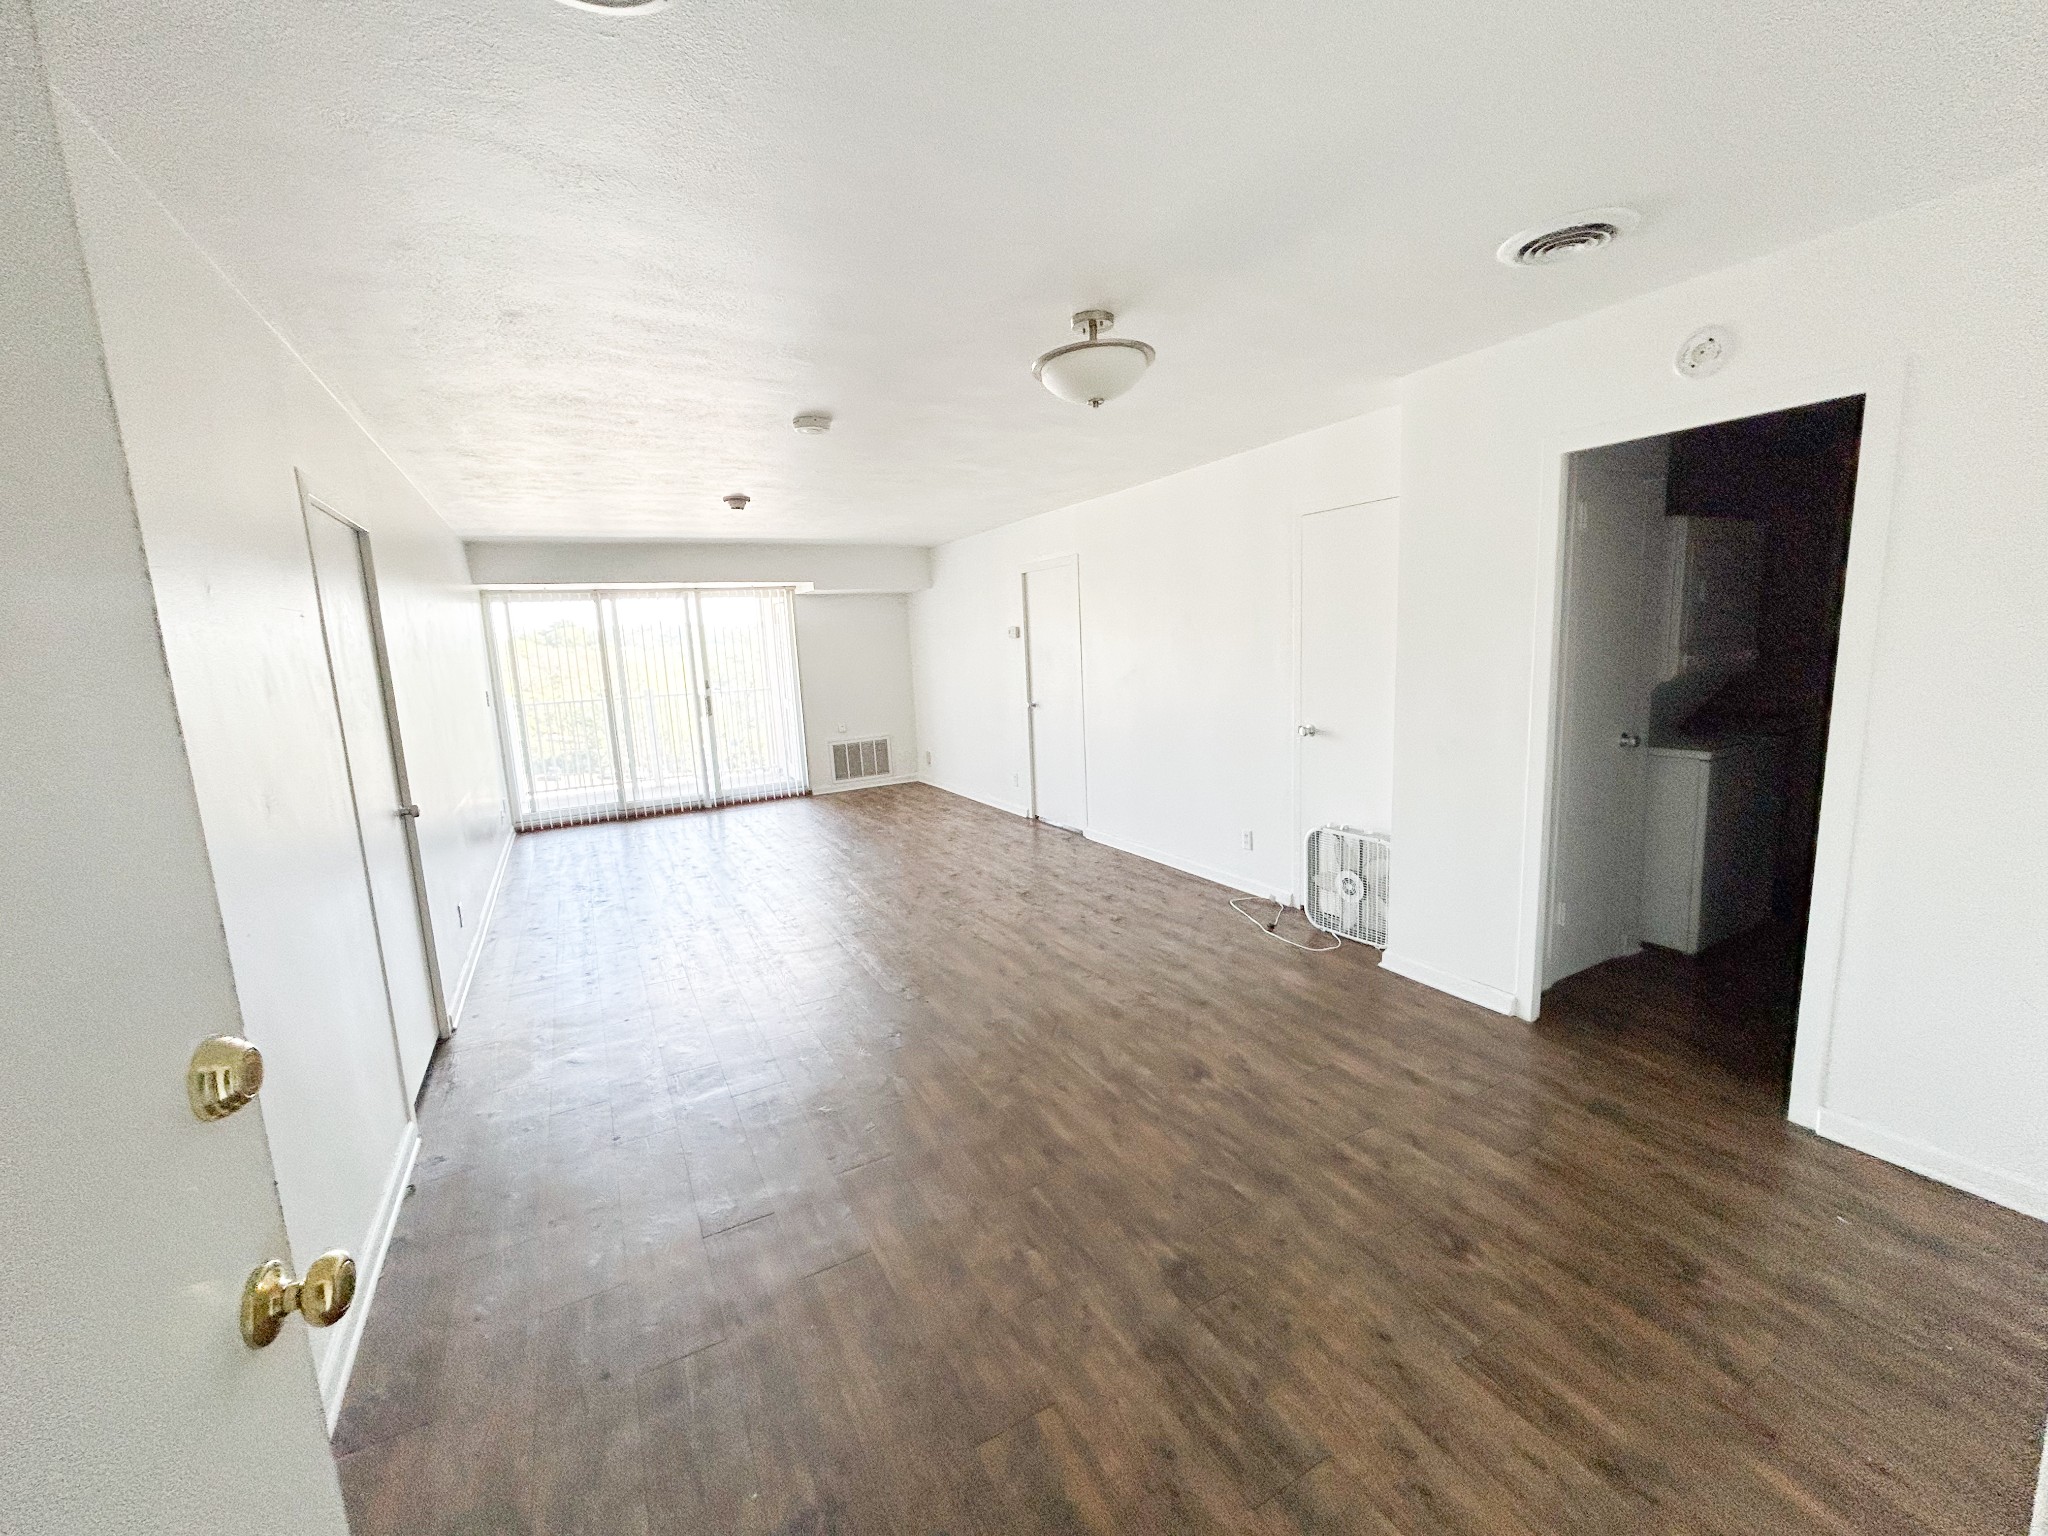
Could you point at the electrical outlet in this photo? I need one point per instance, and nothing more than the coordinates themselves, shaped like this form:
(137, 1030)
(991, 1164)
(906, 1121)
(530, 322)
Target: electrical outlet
(1247, 842)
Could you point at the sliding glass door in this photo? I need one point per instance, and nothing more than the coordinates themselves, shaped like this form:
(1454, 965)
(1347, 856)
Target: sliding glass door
(628, 701)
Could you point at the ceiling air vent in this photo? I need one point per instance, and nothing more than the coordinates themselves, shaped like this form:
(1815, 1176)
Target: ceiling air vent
(617, 7)
(860, 759)
(1582, 232)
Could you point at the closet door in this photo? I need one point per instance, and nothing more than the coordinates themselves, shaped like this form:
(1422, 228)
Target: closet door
(348, 624)
(1052, 651)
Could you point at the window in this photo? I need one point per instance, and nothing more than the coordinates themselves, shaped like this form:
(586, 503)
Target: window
(624, 701)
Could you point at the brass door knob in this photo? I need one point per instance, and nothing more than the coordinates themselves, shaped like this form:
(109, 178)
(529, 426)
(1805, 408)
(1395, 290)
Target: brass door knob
(271, 1295)
(226, 1073)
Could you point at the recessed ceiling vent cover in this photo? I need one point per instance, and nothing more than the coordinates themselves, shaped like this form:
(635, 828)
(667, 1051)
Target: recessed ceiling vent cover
(617, 7)
(1582, 232)
(1556, 244)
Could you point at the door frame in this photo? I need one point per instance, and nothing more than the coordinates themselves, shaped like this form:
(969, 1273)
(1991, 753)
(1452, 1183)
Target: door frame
(1053, 563)
(1296, 652)
(309, 503)
(1881, 383)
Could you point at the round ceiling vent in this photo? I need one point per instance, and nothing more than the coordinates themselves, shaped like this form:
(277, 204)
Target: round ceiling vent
(617, 7)
(1573, 236)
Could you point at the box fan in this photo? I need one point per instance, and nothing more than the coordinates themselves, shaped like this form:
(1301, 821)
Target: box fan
(1347, 884)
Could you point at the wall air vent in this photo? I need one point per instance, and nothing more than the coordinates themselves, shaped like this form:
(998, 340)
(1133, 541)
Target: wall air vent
(1574, 236)
(860, 759)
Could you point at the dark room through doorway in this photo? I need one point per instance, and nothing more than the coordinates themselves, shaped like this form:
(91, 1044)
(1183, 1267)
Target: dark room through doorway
(1704, 574)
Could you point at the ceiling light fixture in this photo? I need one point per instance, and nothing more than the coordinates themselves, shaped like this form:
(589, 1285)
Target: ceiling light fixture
(738, 501)
(617, 7)
(812, 423)
(1094, 370)
(1571, 236)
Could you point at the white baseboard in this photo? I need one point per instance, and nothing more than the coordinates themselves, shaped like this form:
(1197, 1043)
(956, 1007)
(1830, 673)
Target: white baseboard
(1228, 879)
(347, 1335)
(2001, 1188)
(841, 789)
(1445, 981)
(968, 794)
(481, 932)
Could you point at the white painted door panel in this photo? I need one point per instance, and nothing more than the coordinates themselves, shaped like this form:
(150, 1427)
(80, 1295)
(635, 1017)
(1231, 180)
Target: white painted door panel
(1345, 730)
(1052, 632)
(349, 628)
(1615, 505)
(128, 1402)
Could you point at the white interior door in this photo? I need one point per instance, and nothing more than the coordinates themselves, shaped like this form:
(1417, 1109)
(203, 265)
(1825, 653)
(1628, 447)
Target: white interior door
(348, 622)
(128, 1402)
(1345, 722)
(1052, 659)
(1615, 504)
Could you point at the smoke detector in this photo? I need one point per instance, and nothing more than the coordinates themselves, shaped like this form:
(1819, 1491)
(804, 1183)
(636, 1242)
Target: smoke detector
(738, 501)
(617, 7)
(1571, 236)
(1703, 352)
(812, 423)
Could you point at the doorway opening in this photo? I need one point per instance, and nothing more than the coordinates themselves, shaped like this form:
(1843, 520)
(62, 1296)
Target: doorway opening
(1704, 575)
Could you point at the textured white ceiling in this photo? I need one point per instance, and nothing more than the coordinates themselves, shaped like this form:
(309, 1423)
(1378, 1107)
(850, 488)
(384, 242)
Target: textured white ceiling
(578, 272)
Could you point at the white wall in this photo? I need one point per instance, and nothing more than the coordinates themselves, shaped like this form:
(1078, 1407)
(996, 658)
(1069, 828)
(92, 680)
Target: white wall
(827, 567)
(1939, 1053)
(1187, 651)
(127, 1402)
(854, 654)
(216, 414)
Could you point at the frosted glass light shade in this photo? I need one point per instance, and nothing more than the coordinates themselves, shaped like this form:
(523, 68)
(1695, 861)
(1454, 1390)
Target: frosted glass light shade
(1090, 372)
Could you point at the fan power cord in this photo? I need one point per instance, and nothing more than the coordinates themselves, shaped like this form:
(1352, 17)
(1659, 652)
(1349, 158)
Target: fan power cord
(1273, 928)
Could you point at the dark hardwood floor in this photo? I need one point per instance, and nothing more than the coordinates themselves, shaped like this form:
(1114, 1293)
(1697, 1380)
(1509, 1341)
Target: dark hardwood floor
(883, 1163)
(1734, 1007)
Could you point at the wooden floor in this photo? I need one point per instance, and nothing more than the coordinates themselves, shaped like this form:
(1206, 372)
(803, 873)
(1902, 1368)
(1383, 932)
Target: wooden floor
(883, 1163)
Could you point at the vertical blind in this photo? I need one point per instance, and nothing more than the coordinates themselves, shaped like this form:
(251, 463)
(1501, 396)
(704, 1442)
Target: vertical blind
(619, 702)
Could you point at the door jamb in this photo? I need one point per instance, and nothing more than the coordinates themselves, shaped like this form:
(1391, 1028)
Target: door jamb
(1881, 383)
